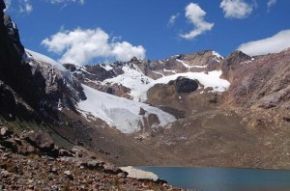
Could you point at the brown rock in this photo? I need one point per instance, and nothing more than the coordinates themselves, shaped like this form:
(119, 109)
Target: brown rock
(41, 140)
(5, 132)
(112, 169)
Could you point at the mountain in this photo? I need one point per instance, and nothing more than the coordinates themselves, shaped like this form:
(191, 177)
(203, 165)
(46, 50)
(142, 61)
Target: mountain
(197, 109)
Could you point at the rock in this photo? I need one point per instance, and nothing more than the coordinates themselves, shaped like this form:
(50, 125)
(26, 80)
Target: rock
(68, 174)
(153, 119)
(122, 175)
(10, 144)
(287, 119)
(142, 111)
(64, 153)
(43, 142)
(112, 169)
(213, 98)
(232, 62)
(5, 132)
(70, 67)
(4, 173)
(53, 170)
(54, 188)
(94, 164)
(185, 85)
(7, 101)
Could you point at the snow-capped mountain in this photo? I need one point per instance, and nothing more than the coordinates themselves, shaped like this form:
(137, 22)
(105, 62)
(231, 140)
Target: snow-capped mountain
(221, 109)
(128, 114)
(136, 77)
(129, 82)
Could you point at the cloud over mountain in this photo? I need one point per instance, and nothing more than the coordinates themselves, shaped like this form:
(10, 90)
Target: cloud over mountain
(84, 46)
(273, 44)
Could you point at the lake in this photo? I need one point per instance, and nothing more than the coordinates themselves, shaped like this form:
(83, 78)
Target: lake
(223, 179)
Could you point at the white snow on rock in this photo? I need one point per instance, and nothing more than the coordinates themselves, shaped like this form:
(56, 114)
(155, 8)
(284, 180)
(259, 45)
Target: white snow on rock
(133, 79)
(107, 67)
(44, 59)
(139, 174)
(140, 84)
(208, 80)
(119, 112)
(189, 66)
(217, 54)
(169, 71)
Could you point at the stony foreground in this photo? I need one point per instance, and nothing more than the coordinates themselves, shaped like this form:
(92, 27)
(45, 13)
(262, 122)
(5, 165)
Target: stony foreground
(67, 170)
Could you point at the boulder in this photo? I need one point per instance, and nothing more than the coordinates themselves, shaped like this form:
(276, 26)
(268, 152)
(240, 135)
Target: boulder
(68, 174)
(94, 164)
(185, 85)
(43, 142)
(4, 132)
(111, 169)
(142, 111)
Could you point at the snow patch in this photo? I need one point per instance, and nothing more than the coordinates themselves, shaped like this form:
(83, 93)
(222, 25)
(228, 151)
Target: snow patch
(169, 71)
(132, 79)
(118, 112)
(44, 59)
(189, 66)
(107, 67)
(217, 54)
(208, 80)
(139, 174)
(158, 73)
(139, 83)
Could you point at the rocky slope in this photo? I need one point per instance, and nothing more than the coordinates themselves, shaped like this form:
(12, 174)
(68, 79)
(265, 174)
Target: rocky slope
(32, 161)
(229, 110)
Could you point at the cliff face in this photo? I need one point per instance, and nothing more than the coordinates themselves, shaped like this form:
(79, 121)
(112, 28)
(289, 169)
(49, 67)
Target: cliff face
(15, 74)
(261, 81)
(39, 84)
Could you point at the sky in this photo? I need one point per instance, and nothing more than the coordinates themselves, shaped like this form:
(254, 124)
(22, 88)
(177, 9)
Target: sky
(90, 31)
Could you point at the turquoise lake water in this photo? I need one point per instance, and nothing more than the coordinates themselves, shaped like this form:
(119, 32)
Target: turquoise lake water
(223, 179)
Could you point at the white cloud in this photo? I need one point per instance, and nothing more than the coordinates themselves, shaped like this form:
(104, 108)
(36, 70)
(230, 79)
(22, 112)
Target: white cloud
(66, 1)
(26, 6)
(271, 3)
(173, 19)
(274, 44)
(237, 9)
(196, 15)
(84, 46)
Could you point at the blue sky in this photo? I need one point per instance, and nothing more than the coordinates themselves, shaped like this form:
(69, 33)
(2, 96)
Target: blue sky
(143, 27)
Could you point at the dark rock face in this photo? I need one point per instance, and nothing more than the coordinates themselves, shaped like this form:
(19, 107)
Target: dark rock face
(70, 67)
(40, 85)
(184, 85)
(98, 72)
(7, 101)
(17, 75)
